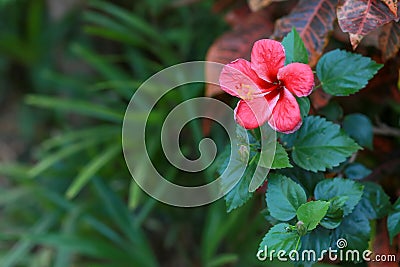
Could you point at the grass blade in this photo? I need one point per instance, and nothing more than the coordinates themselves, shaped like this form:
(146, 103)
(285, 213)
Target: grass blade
(91, 169)
(23, 246)
(76, 106)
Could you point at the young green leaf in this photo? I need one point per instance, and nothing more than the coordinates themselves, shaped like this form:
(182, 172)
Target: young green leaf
(335, 212)
(279, 237)
(281, 158)
(330, 188)
(343, 73)
(359, 127)
(320, 144)
(393, 221)
(356, 171)
(311, 213)
(284, 197)
(294, 48)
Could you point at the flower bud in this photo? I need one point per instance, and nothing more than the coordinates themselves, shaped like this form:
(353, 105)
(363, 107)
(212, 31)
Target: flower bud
(301, 228)
(244, 153)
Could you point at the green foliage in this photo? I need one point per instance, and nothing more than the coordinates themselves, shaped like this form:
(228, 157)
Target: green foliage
(331, 188)
(317, 240)
(343, 73)
(319, 145)
(307, 179)
(294, 48)
(304, 104)
(240, 193)
(357, 237)
(82, 208)
(393, 220)
(356, 171)
(311, 213)
(335, 212)
(78, 88)
(284, 197)
(281, 158)
(243, 168)
(359, 127)
(332, 112)
(374, 203)
(280, 237)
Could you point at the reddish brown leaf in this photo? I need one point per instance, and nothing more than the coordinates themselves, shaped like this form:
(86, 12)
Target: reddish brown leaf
(319, 99)
(392, 4)
(381, 246)
(360, 17)
(389, 40)
(313, 20)
(237, 44)
(256, 5)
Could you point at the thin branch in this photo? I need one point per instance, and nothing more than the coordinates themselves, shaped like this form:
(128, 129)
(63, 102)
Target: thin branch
(383, 129)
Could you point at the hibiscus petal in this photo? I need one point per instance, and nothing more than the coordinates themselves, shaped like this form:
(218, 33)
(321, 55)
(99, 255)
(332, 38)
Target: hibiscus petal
(238, 79)
(286, 116)
(298, 78)
(267, 57)
(253, 113)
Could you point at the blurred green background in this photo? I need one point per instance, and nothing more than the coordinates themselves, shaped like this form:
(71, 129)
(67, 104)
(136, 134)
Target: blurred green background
(67, 72)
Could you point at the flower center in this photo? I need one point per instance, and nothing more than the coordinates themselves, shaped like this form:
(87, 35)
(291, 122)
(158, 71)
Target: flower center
(246, 92)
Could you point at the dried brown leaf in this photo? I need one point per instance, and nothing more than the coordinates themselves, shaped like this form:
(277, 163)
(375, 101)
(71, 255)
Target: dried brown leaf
(256, 5)
(392, 4)
(360, 17)
(389, 40)
(313, 19)
(237, 44)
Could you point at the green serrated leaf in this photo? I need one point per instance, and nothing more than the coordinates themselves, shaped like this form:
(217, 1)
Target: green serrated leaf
(240, 172)
(267, 216)
(330, 188)
(240, 194)
(374, 203)
(343, 73)
(304, 104)
(269, 155)
(281, 158)
(311, 213)
(284, 197)
(278, 238)
(305, 178)
(335, 212)
(237, 196)
(393, 221)
(320, 144)
(355, 229)
(359, 127)
(356, 171)
(315, 241)
(295, 50)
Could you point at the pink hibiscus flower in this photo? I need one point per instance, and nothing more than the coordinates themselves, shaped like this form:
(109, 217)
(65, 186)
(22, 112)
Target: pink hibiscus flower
(267, 88)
